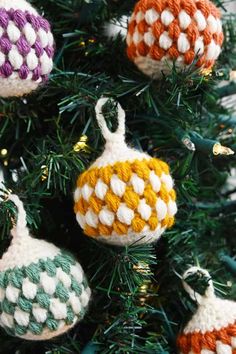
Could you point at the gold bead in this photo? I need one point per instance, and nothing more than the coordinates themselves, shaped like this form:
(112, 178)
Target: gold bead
(81, 145)
(4, 152)
(206, 72)
(44, 176)
(142, 268)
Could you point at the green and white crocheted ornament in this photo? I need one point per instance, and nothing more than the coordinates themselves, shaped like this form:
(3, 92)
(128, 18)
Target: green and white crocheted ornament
(43, 290)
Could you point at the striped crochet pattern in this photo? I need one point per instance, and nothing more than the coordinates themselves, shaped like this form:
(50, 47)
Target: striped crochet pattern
(161, 32)
(212, 330)
(26, 48)
(43, 290)
(125, 196)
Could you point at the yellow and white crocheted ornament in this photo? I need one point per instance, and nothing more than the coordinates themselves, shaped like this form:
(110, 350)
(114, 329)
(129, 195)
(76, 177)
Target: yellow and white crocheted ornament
(212, 329)
(126, 196)
(43, 290)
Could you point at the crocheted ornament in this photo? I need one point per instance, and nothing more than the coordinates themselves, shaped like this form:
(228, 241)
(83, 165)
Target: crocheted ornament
(26, 48)
(125, 196)
(212, 330)
(43, 290)
(161, 32)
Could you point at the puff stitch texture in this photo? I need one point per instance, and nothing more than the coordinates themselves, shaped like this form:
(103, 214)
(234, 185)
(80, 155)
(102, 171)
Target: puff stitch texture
(26, 48)
(163, 31)
(43, 290)
(125, 196)
(212, 329)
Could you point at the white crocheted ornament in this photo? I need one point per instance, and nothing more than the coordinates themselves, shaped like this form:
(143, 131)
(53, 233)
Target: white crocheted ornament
(43, 290)
(184, 32)
(212, 329)
(126, 196)
(26, 48)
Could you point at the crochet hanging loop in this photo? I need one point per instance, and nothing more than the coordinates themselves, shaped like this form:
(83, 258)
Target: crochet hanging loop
(209, 292)
(20, 227)
(119, 134)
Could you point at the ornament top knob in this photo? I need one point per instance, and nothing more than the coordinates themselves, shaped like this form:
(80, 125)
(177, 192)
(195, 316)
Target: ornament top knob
(198, 272)
(119, 134)
(20, 228)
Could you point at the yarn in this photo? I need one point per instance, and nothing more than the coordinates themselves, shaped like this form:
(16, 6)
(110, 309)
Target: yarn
(125, 196)
(114, 27)
(26, 48)
(162, 32)
(212, 329)
(43, 290)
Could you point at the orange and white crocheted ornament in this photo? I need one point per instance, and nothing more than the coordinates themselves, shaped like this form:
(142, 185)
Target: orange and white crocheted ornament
(126, 196)
(161, 32)
(212, 330)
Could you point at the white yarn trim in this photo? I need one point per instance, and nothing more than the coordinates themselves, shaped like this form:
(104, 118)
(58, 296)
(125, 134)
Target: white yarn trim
(118, 152)
(24, 249)
(18, 4)
(115, 148)
(213, 313)
(21, 224)
(193, 294)
(47, 334)
(14, 86)
(155, 68)
(143, 237)
(107, 134)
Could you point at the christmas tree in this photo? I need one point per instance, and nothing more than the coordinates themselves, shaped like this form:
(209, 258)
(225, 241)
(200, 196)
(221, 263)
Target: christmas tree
(51, 136)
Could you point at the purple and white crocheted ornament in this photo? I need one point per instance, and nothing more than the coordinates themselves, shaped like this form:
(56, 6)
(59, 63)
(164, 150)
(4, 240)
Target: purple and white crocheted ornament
(26, 48)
